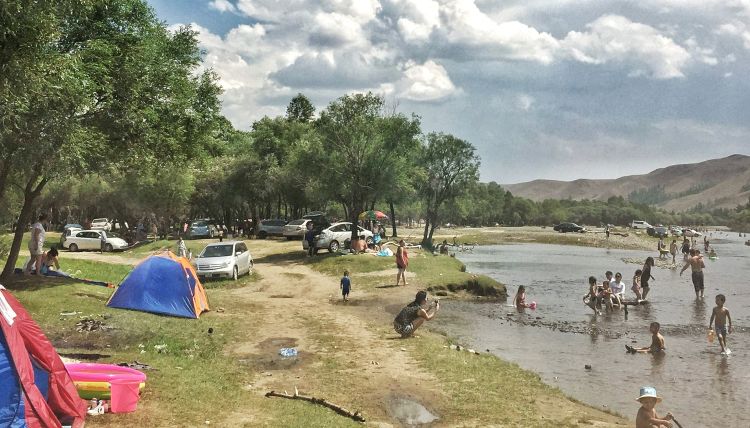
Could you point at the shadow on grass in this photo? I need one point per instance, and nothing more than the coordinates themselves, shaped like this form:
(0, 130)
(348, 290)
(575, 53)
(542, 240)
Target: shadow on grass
(389, 286)
(283, 258)
(35, 282)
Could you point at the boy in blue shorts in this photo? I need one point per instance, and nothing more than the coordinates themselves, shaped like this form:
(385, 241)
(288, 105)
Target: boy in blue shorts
(346, 285)
(721, 314)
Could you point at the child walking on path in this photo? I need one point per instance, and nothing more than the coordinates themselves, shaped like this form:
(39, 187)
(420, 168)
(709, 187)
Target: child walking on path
(657, 342)
(721, 314)
(345, 285)
(647, 417)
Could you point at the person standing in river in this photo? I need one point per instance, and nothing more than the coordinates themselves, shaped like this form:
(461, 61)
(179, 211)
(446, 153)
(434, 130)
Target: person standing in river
(646, 276)
(673, 251)
(685, 248)
(696, 265)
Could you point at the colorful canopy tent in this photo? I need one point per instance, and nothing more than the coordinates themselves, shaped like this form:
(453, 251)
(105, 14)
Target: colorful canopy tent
(35, 389)
(162, 284)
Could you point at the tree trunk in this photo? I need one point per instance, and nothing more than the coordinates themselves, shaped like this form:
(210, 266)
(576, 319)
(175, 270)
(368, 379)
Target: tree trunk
(393, 219)
(4, 172)
(31, 192)
(426, 230)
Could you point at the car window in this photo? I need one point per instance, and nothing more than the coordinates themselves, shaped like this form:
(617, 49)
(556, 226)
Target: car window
(81, 235)
(348, 227)
(217, 251)
(198, 224)
(296, 222)
(99, 220)
(338, 228)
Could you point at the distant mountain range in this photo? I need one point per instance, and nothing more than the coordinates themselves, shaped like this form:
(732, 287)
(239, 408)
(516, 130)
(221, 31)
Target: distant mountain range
(714, 183)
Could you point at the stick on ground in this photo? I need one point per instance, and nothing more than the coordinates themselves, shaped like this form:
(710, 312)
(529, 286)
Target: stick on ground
(338, 409)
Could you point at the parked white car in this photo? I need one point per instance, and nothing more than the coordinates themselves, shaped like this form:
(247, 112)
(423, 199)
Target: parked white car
(639, 224)
(92, 240)
(296, 229)
(338, 234)
(690, 233)
(224, 260)
(101, 224)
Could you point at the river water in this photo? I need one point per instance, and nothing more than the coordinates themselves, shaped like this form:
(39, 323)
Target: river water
(557, 340)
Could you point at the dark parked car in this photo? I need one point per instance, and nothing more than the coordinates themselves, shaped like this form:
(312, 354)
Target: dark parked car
(658, 231)
(568, 227)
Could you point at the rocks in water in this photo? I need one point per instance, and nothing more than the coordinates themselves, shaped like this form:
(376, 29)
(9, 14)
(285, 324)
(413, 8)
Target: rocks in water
(587, 367)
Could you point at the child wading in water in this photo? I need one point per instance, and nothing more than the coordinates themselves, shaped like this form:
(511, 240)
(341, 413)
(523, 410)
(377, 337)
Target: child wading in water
(657, 342)
(637, 285)
(647, 417)
(721, 314)
(519, 301)
(346, 285)
(593, 298)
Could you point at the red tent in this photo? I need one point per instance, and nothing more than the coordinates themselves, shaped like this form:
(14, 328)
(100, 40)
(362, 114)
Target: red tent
(36, 390)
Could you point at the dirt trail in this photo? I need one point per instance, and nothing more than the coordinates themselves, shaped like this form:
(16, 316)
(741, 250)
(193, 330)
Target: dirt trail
(305, 308)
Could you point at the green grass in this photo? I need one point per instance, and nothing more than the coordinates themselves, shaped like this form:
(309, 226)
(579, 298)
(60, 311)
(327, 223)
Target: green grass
(432, 271)
(484, 389)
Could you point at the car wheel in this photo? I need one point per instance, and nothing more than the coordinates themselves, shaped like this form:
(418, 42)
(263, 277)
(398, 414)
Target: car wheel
(108, 248)
(235, 274)
(73, 248)
(333, 246)
(263, 234)
(290, 238)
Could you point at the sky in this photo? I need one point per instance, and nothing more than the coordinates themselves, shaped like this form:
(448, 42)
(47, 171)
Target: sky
(553, 89)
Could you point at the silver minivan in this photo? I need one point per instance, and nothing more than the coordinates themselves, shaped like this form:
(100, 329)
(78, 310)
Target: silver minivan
(224, 260)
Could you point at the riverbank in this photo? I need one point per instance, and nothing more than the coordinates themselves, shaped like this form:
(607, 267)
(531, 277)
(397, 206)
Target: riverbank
(348, 352)
(621, 238)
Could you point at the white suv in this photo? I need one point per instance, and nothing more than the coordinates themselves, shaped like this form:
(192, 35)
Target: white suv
(101, 224)
(639, 224)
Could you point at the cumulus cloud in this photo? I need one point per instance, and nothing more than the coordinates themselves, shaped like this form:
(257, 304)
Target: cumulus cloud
(425, 82)
(222, 5)
(613, 38)
(547, 73)
(465, 25)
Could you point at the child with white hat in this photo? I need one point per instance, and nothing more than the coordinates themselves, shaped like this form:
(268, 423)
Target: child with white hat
(647, 417)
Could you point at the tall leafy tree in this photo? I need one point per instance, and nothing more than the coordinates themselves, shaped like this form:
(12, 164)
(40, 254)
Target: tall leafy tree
(116, 90)
(359, 145)
(451, 166)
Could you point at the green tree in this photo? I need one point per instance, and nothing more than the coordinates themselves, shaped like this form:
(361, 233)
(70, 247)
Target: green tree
(353, 151)
(109, 88)
(451, 167)
(300, 109)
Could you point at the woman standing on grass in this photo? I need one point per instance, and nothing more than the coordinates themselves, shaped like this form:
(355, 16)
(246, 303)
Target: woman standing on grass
(402, 262)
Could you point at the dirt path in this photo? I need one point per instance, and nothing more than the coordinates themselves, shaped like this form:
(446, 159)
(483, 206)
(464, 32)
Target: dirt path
(307, 313)
(348, 352)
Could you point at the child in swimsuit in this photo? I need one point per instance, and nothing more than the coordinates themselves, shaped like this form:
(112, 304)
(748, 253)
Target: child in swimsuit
(657, 342)
(721, 314)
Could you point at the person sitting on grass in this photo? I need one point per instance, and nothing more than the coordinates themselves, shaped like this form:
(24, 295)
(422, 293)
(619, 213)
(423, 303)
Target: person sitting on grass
(647, 417)
(413, 315)
(50, 259)
(657, 342)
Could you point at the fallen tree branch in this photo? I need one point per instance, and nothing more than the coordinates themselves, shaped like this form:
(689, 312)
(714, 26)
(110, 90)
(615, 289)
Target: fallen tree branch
(338, 409)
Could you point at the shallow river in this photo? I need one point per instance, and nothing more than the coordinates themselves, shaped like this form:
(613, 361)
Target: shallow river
(699, 386)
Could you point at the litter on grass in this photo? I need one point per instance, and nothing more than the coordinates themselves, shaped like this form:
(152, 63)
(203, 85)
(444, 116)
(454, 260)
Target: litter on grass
(288, 352)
